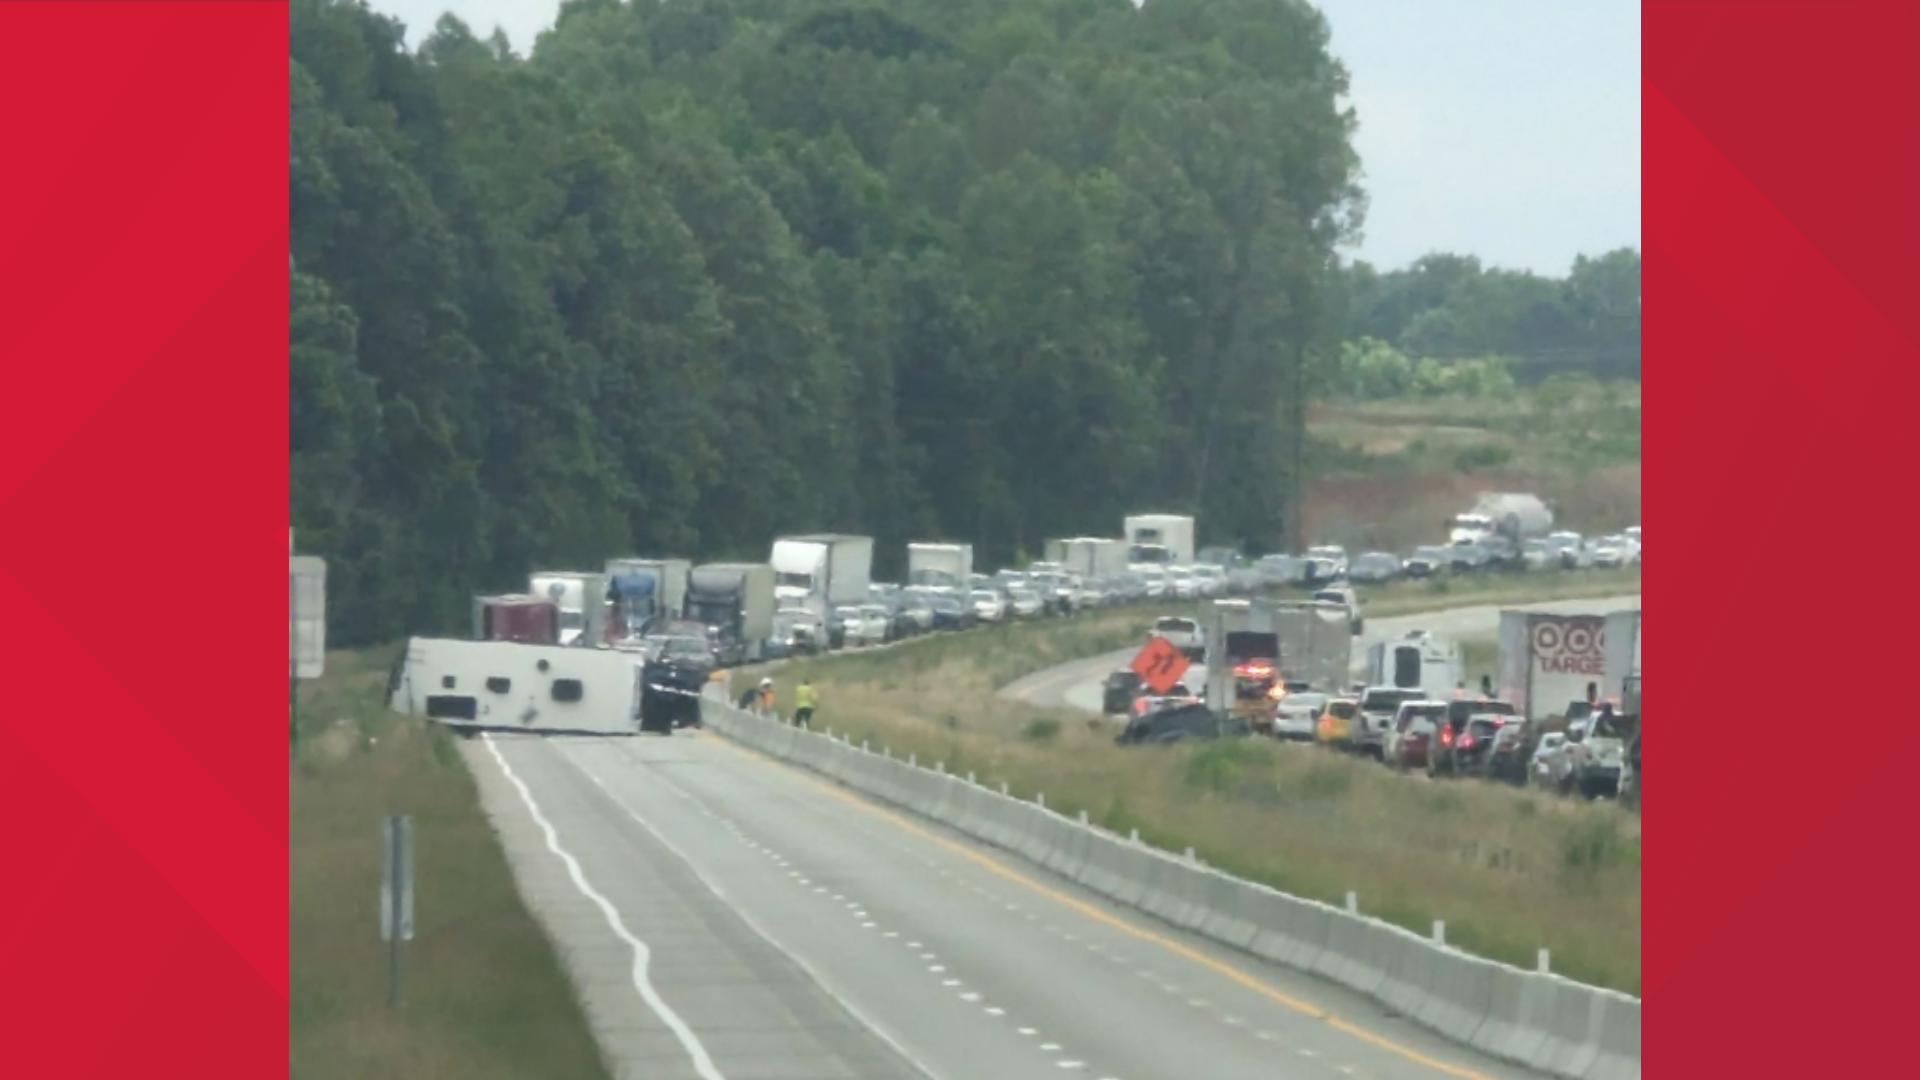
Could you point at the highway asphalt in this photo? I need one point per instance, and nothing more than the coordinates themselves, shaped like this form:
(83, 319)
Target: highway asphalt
(1077, 684)
(726, 915)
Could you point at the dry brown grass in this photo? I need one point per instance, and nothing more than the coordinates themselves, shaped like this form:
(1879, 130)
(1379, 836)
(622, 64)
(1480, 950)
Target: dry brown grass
(482, 995)
(1509, 870)
(1400, 468)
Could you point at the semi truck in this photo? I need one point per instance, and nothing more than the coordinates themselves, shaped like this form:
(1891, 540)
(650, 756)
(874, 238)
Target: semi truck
(735, 602)
(531, 620)
(1243, 656)
(1548, 661)
(947, 568)
(1089, 556)
(822, 571)
(641, 591)
(1163, 539)
(581, 597)
(1418, 661)
(1316, 643)
(1513, 515)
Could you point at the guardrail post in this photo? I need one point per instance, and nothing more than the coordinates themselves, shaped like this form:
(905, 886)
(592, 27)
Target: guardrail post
(1133, 836)
(1040, 798)
(1353, 902)
(969, 776)
(913, 759)
(1191, 857)
(1545, 967)
(940, 767)
(1439, 931)
(1083, 817)
(863, 744)
(1003, 787)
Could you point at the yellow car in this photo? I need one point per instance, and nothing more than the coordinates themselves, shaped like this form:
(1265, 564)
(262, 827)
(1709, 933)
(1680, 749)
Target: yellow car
(1334, 726)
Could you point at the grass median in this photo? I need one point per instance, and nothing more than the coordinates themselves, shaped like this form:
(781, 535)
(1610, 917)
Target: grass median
(481, 993)
(1509, 870)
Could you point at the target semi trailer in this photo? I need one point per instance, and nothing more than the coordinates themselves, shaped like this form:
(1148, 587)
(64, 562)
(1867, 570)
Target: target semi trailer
(1547, 661)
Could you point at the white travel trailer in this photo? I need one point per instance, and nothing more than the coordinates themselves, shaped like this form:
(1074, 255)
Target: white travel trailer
(519, 687)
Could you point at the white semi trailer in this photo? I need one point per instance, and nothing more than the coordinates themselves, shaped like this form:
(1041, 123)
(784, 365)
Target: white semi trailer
(1089, 556)
(1548, 661)
(822, 571)
(947, 568)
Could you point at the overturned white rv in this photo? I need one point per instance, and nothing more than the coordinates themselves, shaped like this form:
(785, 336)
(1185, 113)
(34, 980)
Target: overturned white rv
(508, 685)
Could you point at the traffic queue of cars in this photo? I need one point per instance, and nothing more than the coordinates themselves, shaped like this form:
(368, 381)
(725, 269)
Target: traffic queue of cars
(1556, 551)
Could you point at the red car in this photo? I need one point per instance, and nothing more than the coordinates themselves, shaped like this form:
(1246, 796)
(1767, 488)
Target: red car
(1409, 739)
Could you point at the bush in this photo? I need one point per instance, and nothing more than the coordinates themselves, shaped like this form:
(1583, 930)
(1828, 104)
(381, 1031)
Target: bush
(1222, 765)
(1045, 729)
(1482, 456)
(1592, 846)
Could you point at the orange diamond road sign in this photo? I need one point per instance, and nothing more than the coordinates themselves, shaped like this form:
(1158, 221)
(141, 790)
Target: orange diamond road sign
(1159, 665)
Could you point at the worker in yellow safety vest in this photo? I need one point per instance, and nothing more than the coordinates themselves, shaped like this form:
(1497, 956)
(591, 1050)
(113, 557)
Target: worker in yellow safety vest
(803, 703)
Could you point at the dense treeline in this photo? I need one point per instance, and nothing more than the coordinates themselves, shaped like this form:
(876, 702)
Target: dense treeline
(696, 272)
(1449, 307)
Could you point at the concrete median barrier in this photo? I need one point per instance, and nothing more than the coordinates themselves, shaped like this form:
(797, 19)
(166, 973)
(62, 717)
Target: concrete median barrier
(1617, 1054)
(1407, 986)
(1291, 931)
(1517, 1017)
(1456, 993)
(1572, 1018)
(1228, 913)
(1068, 852)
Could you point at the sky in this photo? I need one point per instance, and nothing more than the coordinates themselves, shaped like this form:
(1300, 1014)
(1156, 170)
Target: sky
(1504, 129)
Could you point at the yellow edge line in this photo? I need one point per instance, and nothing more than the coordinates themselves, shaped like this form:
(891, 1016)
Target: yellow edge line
(1094, 914)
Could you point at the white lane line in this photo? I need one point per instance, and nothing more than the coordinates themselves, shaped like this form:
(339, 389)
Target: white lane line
(829, 988)
(970, 996)
(1049, 1047)
(1029, 1031)
(995, 1010)
(702, 1064)
(949, 982)
(1071, 1064)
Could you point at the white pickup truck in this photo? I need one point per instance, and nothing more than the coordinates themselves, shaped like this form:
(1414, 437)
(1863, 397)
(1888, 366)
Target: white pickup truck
(1183, 634)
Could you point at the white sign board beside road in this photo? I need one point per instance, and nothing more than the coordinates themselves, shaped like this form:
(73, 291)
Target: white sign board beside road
(307, 609)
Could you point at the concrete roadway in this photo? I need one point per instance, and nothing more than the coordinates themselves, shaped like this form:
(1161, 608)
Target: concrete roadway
(726, 915)
(1077, 684)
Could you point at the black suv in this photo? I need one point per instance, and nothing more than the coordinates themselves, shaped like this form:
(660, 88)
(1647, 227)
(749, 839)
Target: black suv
(1177, 724)
(1119, 691)
(673, 680)
(1448, 756)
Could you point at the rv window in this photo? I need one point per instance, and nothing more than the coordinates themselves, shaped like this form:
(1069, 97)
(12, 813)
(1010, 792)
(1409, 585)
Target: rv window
(1406, 666)
(568, 690)
(451, 707)
(446, 682)
(499, 684)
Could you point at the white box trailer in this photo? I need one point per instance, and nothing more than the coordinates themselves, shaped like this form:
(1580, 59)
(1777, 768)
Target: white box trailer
(514, 686)
(1159, 538)
(942, 566)
(581, 597)
(1316, 643)
(647, 589)
(822, 571)
(1089, 556)
(1547, 660)
(1418, 661)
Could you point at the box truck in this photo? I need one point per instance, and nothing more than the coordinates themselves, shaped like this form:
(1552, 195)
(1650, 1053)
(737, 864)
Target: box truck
(1243, 662)
(822, 571)
(1316, 643)
(1089, 556)
(643, 591)
(1548, 661)
(1164, 539)
(947, 568)
(735, 602)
